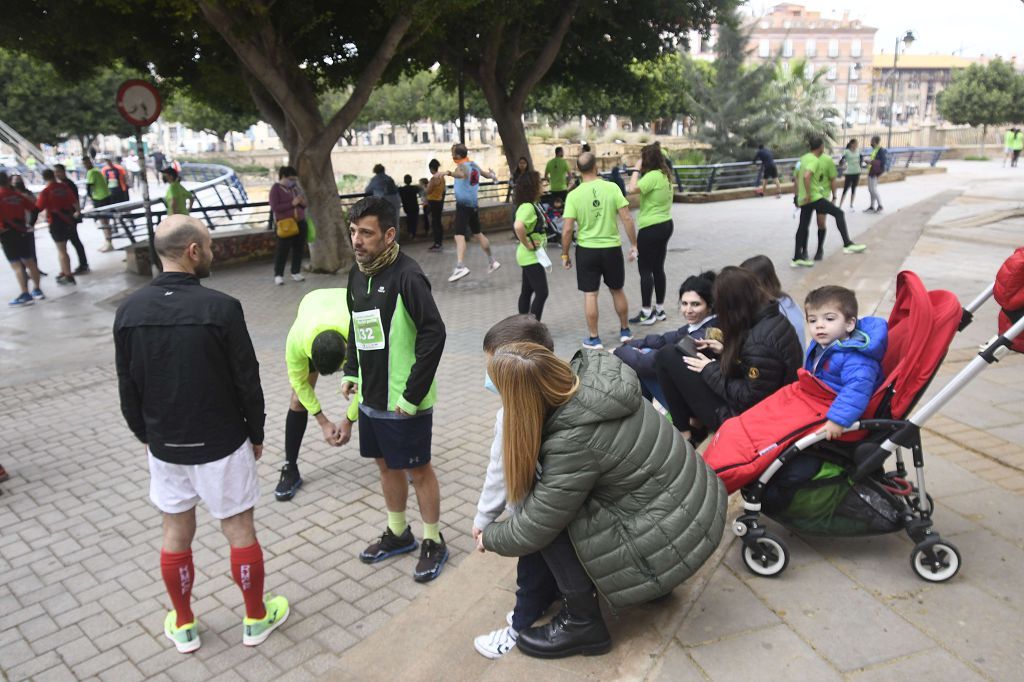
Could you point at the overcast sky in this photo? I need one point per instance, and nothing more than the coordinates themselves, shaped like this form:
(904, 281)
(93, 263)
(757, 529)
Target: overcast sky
(968, 27)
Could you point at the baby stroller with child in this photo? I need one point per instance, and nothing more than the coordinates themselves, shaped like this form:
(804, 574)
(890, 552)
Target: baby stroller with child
(786, 469)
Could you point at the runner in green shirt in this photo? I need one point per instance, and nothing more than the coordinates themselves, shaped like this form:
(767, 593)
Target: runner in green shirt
(532, 240)
(556, 174)
(1016, 146)
(851, 171)
(651, 179)
(814, 184)
(178, 199)
(595, 204)
(1007, 147)
(97, 190)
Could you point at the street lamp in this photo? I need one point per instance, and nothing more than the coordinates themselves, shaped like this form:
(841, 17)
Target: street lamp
(907, 41)
(846, 113)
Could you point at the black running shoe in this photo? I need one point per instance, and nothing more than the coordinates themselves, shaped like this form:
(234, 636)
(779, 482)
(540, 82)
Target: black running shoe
(290, 482)
(82, 270)
(389, 545)
(433, 555)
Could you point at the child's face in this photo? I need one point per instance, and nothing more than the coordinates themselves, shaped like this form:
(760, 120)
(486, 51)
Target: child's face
(828, 324)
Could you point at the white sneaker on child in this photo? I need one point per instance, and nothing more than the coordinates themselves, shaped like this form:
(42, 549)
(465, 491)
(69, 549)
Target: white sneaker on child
(508, 617)
(496, 644)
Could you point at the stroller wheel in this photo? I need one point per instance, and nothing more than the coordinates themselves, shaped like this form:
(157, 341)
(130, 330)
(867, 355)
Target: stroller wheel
(943, 564)
(766, 555)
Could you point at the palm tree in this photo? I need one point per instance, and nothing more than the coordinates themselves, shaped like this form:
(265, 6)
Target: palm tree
(801, 108)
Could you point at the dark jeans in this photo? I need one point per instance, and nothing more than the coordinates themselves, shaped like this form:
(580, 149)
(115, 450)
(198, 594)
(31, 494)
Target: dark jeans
(296, 246)
(76, 241)
(412, 219)
(565, 566)
(819, 206)
(535, 286)
(535, 590)
(652, 246)
(436, 226)
(686, 394)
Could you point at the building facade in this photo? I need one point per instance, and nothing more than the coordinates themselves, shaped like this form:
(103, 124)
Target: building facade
(918, 79)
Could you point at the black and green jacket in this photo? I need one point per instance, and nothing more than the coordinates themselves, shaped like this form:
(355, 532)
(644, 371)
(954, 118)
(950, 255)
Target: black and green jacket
(402, 373)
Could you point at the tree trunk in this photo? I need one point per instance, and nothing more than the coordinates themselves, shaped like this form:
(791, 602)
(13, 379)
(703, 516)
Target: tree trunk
(984, 134)
(330, 252)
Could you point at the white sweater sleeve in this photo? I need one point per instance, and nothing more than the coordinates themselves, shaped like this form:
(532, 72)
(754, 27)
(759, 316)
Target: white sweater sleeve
(492, 496)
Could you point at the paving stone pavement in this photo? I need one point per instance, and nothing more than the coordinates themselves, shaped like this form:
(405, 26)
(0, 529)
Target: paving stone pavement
(80, 594)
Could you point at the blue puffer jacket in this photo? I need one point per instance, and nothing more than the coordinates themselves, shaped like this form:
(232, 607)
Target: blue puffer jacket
(852, 368)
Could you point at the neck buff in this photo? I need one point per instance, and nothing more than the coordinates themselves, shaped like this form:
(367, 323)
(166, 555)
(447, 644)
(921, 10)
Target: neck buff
(387, 257)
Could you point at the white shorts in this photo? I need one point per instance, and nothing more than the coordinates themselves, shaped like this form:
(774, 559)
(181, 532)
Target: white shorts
(227, 486)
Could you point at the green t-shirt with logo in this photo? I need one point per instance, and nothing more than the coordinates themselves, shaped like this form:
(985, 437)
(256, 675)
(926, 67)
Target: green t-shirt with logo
(808, 162)
(527, 215)
(655, 199)
(177, 199)
(595, 205)
(1008, 140)
(823, 176)
(557, 169)
(96, 185)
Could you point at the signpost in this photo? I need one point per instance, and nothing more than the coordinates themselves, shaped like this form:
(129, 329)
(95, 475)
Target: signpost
(138, 102)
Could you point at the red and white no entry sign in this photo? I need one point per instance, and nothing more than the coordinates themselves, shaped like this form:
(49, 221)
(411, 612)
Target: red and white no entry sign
(138, 102)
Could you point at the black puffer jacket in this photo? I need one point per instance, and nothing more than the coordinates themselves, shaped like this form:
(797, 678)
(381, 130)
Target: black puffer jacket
(769, 359)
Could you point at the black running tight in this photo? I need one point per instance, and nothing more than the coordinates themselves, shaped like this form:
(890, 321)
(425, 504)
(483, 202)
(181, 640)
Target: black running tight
(535, 287)
(652, 247)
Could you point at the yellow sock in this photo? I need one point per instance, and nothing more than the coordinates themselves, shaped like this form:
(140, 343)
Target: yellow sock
(396, 522)
(431, 532)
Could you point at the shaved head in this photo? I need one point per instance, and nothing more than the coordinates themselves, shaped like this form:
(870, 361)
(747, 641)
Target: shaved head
(586, 162)
(176, 233)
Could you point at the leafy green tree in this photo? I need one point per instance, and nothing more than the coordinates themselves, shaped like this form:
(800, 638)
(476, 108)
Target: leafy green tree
(199, 115)
(801, 108)
(983, 95)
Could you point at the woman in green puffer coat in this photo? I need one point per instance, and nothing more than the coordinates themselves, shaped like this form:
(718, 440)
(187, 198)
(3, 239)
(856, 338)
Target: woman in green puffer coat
(607, 490)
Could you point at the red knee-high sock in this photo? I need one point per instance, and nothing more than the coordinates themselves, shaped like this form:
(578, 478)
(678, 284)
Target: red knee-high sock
(179, 574)
(247, 570)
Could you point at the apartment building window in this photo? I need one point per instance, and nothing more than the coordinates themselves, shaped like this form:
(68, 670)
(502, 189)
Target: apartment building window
(855, 48)
(811, 47)
(851, 93)
(787, 48)
(831, 93)
(854, 74)
(764, 48)
(833, 71)
(833, 48)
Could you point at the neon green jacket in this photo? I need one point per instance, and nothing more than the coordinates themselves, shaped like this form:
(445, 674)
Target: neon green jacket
(319, 311)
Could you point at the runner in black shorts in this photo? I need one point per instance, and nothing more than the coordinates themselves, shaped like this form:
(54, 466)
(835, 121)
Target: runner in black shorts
(402, 442)
(467, 220)
(594, 264)
(18, 240)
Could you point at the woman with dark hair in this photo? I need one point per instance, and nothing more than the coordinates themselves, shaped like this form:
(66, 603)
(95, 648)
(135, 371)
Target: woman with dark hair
(521, 168)
(651, 178)
(764, 270)
(615, 502)
(696, 304)
(529, 229)
(759, 354)
(851, 171)
(288, 203)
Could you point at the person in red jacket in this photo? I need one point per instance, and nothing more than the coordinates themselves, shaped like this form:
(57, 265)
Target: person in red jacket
(60, 204)
(17, 212)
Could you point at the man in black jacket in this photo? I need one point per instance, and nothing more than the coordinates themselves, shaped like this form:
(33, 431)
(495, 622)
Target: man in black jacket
(190, 390)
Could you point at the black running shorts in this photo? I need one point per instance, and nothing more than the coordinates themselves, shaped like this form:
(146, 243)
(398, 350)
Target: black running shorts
(18, 245)
(593, 265)
(467, 220)
(403, 442)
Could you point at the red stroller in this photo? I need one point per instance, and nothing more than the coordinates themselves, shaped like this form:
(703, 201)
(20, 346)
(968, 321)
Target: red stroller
(841, 487)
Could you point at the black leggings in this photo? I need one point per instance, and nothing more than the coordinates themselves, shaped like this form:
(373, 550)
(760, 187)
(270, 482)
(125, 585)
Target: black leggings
(686, 393)
(296, 245)
(535, 285)
(76, 241)
(821, 206)
(436, 209)
(652, 246)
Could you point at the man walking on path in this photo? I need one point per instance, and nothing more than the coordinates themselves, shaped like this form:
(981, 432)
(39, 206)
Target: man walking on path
(813, 181)
(467, 213)
(315, 347)
(190, 390)
(769, 171)
(594, 204)
(877, 162)
(18, 241)
(394, 347)
(556, 174)
(60, 204)
(97, 190)
(825, 175)
(435, 202)
(83, 260)
(1016, 146)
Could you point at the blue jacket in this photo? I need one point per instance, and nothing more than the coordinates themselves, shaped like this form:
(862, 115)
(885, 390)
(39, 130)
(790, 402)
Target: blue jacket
(852, 368)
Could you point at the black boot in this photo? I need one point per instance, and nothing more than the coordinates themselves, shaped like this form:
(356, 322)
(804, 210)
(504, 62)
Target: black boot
(577, 628)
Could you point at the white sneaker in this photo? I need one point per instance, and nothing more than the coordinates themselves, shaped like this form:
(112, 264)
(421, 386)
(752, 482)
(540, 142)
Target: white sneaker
(297, 277)
(278, 280)
(495, 644)
(107, 246)
(458, 273)
(493, 266)
(508, 617)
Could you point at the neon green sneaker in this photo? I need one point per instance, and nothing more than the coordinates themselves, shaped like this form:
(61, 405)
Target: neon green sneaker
(185, 638)
(255, 631)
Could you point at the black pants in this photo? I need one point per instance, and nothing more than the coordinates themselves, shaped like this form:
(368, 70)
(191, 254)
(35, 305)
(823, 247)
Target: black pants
(535, 286)
(686, 393)
(412, 219)
(436, 226)
(820, 206)
(565, 566)
(535, 590)
(296, 246)
(76, 241)
(652, 247)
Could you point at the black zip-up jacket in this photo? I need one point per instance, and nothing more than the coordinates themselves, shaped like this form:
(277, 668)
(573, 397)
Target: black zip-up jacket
(401, 374)
(186, 371)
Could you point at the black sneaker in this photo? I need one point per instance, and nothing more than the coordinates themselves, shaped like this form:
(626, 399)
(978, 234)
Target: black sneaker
(290, 482)
(433, 555)
(661, 315)
(82, 270)
(642, 318)
(389, 545)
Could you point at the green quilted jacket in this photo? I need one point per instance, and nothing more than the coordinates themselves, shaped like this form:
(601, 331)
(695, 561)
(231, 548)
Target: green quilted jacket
(643, 509)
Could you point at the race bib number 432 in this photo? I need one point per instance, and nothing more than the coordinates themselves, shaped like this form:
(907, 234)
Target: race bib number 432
(368, 330)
